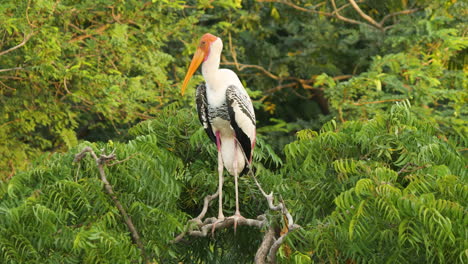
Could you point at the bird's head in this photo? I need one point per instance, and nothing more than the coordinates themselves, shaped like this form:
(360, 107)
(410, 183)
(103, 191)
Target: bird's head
(201, 54)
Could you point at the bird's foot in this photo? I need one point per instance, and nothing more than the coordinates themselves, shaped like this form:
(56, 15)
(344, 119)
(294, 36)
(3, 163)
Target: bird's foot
(236, 217)
(219, 220)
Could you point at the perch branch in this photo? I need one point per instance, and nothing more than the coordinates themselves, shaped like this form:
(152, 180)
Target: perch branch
(100, 162)
(266, 253)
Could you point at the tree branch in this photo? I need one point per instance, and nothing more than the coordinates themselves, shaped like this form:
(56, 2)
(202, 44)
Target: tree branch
(266, 253)
(364, 15)
(298, 7)
(340, 17)
(267, 242)
(336, 13)
(11, 69)
(246, 66)
(381, 101)
(404, 12)
(26, 38)
(100, 162)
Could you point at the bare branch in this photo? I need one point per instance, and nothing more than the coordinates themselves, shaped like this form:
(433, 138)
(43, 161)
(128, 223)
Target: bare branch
(364, 15)
(246, 66)
(203, 229)
(340, 17)
(101, 161)
(404, 12)
(381, 101)
(26, 38)
(267, 242)
(312, 10)
(276, 245)
(124, 160)
(11, 69)
(336, 12)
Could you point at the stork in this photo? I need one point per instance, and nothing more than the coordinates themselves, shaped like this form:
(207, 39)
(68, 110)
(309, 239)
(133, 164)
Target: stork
(226, 112)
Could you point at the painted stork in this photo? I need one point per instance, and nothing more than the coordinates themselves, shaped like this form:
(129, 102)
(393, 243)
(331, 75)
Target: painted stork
(226, 112)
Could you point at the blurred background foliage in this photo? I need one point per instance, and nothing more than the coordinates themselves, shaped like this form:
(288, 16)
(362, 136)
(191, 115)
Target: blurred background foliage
(325, 78)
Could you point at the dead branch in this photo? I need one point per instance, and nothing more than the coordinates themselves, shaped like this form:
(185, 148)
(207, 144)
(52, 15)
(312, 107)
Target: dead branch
(25, 39)
(100, 162)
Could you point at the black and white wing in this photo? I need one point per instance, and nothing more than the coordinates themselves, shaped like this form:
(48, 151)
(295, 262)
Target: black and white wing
(202, 109)
(242, 116)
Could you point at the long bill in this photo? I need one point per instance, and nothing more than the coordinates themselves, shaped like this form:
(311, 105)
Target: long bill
(196, 61)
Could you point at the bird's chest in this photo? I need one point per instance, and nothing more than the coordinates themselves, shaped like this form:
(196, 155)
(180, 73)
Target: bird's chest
(218, 113)
(219, 119)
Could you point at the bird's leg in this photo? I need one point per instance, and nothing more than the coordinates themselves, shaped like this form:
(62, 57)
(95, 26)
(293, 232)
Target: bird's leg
(220, 185)
(237, 214)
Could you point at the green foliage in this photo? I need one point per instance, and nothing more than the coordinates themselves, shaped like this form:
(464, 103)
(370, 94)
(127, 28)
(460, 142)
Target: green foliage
(59, 213)
(383, 191)
(369, 178)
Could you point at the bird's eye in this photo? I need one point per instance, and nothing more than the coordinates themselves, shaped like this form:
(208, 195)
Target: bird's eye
(203, 42)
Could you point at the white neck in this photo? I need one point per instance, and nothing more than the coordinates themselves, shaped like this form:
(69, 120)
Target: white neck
(210, 67)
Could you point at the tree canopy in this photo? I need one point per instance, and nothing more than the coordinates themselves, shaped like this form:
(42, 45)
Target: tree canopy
(362, 124)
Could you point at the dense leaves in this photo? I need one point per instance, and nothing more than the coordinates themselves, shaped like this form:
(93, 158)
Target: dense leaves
(362, 124)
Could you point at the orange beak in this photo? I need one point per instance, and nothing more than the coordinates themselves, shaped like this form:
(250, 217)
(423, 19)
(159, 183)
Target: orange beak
(197, 59)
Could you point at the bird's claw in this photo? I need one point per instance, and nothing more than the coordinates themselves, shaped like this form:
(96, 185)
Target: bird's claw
(236, 217)
(213, 227)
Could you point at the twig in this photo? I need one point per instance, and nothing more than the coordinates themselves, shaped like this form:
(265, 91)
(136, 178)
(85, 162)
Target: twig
(98, 31)
(378, 102)
(11, 69)
(8, 87)
(246, 66)
(100, 162)
(336, 13)
(26, 38)
(27, 15)
(405, 168)
(298, 7)
(124, 160)
(233, 52)
(404, 12)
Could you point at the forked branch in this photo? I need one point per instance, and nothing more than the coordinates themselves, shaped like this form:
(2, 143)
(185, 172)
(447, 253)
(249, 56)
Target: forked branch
(101, 161)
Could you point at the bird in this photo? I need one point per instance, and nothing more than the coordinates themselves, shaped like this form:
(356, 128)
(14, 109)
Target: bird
(226, 113)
